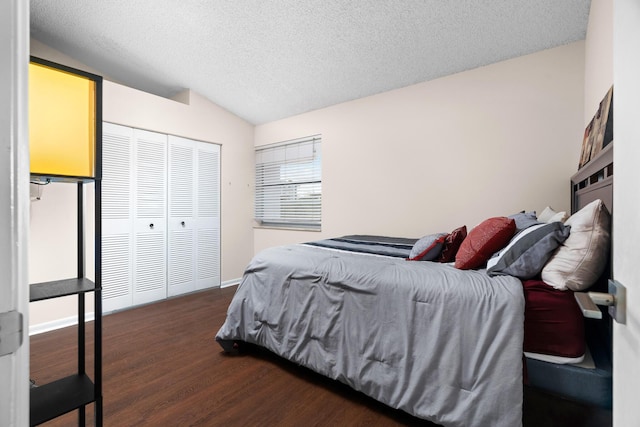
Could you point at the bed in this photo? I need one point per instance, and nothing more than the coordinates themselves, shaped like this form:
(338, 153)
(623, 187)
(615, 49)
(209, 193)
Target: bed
(366, 320)
(589, 382)
(438, 326)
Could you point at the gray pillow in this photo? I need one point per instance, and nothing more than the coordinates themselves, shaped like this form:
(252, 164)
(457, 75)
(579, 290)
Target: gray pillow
(427, 248)
(524, 220)
(528, 252)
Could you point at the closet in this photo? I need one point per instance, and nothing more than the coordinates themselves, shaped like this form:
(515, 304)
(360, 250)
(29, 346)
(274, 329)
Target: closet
(193, 215)
(160, 216)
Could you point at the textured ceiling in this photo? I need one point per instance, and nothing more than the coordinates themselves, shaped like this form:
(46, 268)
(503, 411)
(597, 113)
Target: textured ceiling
(266, 60)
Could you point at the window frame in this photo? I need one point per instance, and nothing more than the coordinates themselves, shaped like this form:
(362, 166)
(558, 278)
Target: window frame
(288, 184)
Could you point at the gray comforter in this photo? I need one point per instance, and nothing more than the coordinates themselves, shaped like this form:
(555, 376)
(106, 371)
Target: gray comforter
(439, 343)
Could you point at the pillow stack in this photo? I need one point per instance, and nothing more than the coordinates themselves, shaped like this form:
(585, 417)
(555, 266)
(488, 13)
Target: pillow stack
(565, 253)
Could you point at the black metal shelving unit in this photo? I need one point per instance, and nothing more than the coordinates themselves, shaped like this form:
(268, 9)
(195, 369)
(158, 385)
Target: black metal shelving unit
(75, 392)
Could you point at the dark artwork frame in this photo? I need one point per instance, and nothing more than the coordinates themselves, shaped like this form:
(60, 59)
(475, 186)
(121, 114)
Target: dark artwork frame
(599, 132)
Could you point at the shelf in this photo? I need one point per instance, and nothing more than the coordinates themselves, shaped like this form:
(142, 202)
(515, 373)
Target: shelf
(67, 148)
(51, 400)
(60, 288)
(599, 163)
(42, 178)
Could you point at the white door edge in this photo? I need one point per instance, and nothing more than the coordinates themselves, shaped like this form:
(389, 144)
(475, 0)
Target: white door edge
(14, 203)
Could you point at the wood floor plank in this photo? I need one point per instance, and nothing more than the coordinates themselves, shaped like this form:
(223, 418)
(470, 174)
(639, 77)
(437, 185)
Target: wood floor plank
(162, 367)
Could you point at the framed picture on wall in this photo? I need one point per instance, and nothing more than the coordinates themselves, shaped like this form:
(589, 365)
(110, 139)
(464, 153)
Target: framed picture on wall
(599, 132)
(585, 154)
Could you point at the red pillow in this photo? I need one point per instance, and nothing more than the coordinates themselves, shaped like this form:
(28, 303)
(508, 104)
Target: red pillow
(483, 241)
(452, 243)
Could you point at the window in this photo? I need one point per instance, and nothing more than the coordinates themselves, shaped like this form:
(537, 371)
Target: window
(289, 184)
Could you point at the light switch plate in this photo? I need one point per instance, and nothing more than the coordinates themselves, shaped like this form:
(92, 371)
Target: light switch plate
(619, 310)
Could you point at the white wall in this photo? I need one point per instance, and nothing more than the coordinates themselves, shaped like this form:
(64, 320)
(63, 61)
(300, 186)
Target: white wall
(52, 249)
(598, 56)
(52, 244)
(626, 222)
(436, 155)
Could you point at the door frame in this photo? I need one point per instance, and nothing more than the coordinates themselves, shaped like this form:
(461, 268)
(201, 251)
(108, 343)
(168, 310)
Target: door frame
(14, 204)
(626, 223)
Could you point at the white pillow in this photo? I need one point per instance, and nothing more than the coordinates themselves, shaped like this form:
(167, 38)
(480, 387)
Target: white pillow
(581, 259)
(549, 215)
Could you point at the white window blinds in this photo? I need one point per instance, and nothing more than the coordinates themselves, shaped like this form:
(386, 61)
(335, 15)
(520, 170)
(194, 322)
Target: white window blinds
(289, 184)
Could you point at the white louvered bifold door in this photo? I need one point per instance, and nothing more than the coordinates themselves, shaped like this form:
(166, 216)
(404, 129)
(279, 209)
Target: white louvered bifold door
(193, 215)
(161, 216)
(150, 225)
(181, 267)
(117, 217)
(207, 215)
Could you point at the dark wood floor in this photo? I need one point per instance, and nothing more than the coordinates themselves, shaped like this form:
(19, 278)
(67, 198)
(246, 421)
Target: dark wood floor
(162, 367)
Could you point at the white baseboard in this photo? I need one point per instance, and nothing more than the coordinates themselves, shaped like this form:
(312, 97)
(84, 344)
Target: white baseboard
(232, 282)
(73, 320)
(58, 324)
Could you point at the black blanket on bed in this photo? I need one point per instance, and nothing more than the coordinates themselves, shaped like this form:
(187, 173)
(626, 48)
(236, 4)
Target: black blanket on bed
(399, 247)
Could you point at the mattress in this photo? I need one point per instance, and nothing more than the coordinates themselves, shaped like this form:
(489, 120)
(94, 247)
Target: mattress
(566, 354)
(553, 324)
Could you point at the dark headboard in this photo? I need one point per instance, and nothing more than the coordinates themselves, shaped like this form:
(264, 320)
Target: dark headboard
(594, 181)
